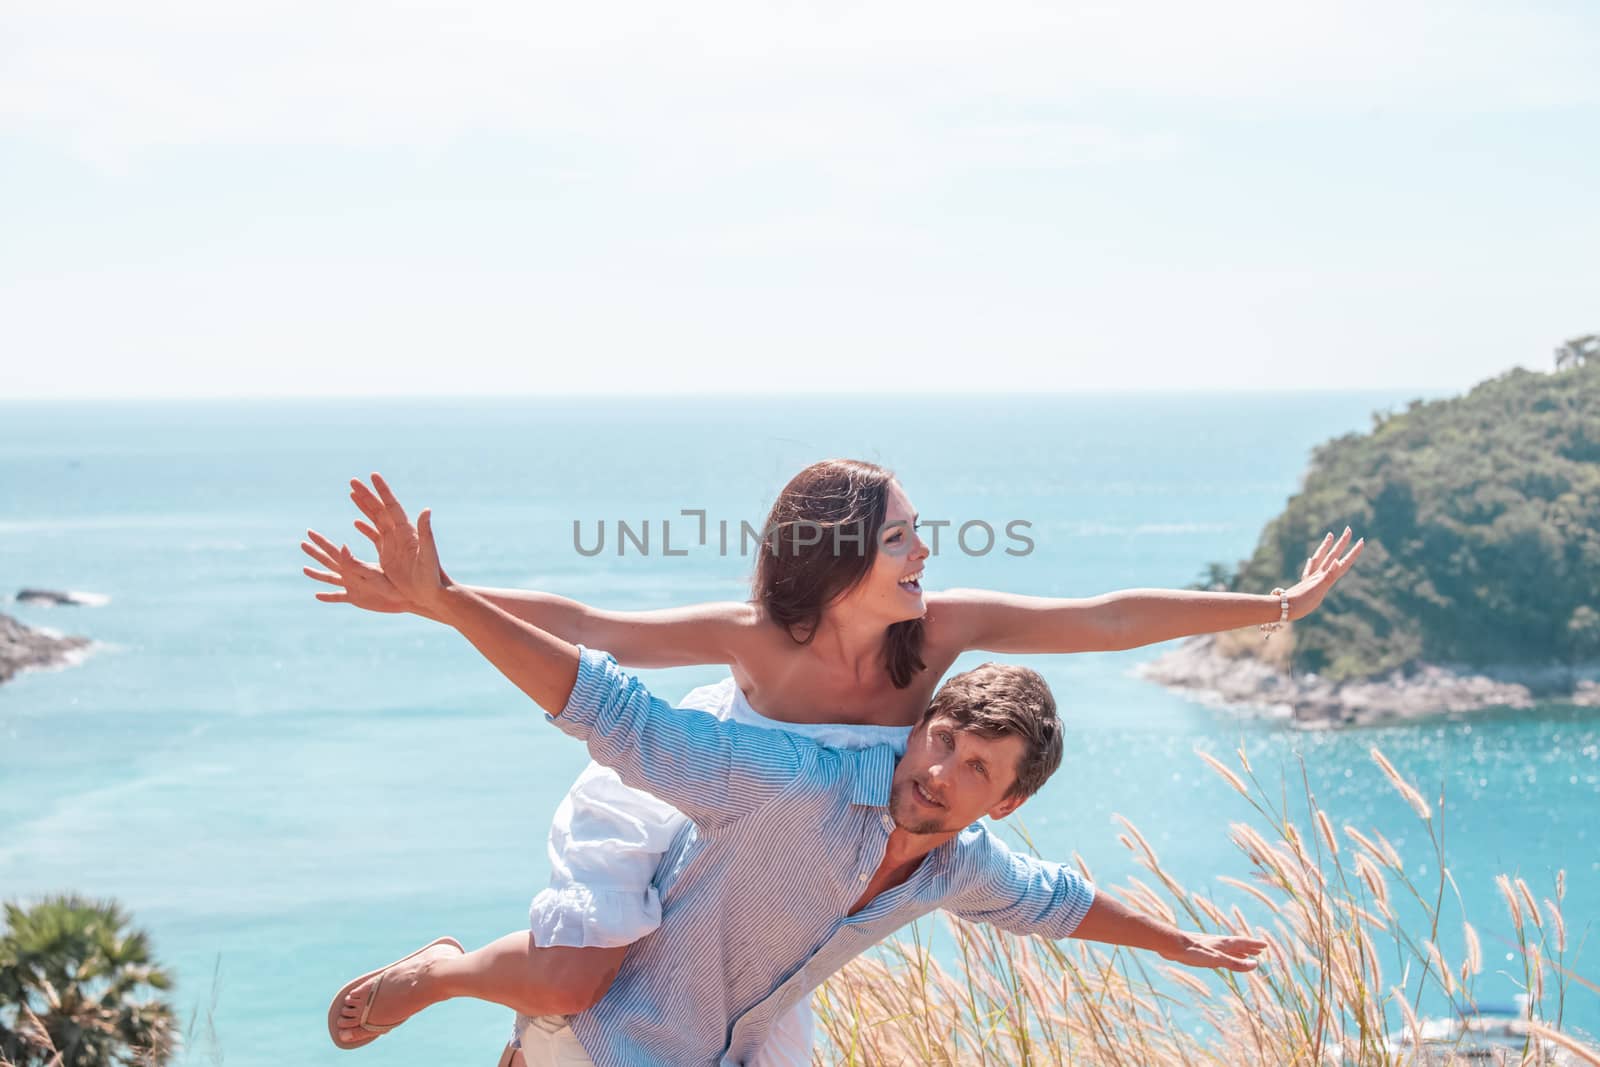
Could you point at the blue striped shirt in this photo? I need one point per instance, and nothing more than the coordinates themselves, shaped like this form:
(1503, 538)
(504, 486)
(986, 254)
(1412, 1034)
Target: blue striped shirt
(756, 892)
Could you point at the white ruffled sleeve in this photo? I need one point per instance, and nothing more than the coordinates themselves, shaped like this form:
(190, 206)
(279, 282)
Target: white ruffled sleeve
(605, 843)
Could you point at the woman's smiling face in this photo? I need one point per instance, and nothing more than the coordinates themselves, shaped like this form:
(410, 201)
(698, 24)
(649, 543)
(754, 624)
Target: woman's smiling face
(892, 589)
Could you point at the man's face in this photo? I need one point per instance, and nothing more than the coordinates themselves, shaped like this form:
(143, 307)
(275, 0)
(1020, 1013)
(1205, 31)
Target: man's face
(949, 778)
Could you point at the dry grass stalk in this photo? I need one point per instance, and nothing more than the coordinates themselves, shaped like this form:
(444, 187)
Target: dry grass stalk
(1392, 857)
(1527, 899)
(1503, 883)
(1474, 959)
(1149, 853)
(1259, 894)
(1560, 924)
(1373, 879)
(1227, 774)
(1583, 1053)
(1403, 787)
(1443, 971)
(1327, 831)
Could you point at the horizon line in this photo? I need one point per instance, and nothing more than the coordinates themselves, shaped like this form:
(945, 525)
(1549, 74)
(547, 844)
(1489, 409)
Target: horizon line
(774, 394)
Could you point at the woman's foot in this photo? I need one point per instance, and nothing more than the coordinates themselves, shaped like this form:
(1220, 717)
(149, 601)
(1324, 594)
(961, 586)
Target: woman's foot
(381, 1000)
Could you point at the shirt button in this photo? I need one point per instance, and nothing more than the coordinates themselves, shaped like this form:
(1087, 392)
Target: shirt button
(888, 822)
(862, 878)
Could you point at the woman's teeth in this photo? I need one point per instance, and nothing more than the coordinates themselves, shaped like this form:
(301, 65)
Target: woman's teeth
(912, 582)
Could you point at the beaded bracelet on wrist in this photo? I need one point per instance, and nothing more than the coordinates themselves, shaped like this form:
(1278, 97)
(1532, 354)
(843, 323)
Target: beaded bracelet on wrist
(1269, 628)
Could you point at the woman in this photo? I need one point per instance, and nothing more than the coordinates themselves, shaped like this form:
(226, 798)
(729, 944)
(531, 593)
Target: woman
(839, 640)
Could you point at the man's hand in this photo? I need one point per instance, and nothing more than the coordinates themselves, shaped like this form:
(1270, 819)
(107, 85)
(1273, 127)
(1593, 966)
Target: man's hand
(1217, 951)
(1325, 567)
(407, 555)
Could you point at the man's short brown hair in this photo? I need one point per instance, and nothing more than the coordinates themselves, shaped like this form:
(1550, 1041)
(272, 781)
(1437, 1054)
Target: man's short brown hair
(1000, 699)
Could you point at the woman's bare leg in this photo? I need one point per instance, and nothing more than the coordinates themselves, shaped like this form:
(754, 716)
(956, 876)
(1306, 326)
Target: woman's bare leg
(517, 973)
(511, 971)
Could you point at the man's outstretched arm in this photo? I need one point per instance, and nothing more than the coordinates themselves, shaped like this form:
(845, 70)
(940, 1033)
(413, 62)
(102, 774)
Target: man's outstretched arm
(1031, 896)
(687, 758)
(1114, 923)
(540, 664)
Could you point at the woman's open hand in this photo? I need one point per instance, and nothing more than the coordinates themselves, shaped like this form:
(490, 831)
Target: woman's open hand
(1325, 567)
(407, 555)
(359, 582)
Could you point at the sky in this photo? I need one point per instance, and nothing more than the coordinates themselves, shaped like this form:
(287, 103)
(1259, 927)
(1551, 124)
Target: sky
(363, 198)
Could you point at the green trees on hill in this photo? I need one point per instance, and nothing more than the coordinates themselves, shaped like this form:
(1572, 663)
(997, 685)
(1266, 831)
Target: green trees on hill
(75, 988)
(1482, 519)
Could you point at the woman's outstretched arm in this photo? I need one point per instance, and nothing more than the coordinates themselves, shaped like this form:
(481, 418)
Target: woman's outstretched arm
(668, 637)
(1017, 624)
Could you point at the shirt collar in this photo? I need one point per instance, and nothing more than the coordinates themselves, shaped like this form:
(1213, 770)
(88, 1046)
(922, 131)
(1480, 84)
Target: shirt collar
(874, 775)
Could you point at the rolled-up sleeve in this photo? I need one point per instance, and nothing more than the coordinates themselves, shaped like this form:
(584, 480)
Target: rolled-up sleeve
(711, 770)
(1023, 894)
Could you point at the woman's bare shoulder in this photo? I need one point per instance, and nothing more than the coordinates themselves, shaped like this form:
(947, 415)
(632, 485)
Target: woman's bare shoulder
(730, 612)
(748, 630)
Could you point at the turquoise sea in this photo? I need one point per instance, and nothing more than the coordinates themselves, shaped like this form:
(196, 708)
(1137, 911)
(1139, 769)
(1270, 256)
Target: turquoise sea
(287, 793)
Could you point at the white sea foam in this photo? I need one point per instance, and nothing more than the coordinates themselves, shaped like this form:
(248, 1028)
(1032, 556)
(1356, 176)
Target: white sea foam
(72, 657)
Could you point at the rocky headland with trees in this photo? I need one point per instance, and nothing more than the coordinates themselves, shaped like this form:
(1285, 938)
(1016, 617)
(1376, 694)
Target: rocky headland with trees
(1480, 583)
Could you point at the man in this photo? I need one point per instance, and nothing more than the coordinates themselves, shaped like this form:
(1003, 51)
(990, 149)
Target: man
(800, 857)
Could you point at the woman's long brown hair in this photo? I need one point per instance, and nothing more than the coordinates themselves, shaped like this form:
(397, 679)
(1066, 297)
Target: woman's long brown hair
(820, 541)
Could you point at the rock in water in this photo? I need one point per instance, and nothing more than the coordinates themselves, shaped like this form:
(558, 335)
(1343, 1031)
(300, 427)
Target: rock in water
(51, 596)
(22, 647)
